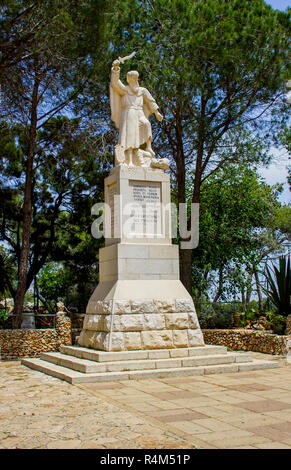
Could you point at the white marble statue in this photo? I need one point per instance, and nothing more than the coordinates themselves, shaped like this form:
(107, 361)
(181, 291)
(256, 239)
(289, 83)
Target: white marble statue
(131, 105)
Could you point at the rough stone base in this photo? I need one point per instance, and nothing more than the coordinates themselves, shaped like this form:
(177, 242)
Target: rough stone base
(116, 324)
(126, 341)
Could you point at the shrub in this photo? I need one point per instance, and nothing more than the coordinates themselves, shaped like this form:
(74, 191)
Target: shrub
(216, 315)
(206, 316)
(276, 322)
(280, 285)
(5, 319)
(251, 316)
(253, 305)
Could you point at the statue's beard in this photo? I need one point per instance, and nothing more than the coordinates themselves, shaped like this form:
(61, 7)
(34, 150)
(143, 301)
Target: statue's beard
(134, 87)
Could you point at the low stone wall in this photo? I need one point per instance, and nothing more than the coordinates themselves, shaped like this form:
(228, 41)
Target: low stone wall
(249, 340)
(288, 325)
(30, 343)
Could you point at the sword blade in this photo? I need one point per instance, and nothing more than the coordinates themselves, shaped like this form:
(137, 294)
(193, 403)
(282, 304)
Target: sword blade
(122, 59)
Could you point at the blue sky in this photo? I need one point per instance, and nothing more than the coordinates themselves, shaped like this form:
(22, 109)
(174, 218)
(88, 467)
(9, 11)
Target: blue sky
(279, 4)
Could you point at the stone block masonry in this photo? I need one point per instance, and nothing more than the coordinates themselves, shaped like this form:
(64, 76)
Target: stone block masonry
(149, 324)
(31, 343)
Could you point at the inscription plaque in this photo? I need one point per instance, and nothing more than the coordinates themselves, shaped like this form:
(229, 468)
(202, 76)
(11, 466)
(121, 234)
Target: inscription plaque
(145, 198)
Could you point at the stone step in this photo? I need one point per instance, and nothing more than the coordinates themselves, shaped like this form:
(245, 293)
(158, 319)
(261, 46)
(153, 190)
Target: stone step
(75, 377)
(71, 362)
(109, 356)
(87, 366)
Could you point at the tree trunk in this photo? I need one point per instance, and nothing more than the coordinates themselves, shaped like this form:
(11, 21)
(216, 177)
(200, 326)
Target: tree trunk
(243, 298)
(27, 211)
(260, 300)
(220, 285)
(36, 295)
(186, 269)
(249, 290)
(186, 255)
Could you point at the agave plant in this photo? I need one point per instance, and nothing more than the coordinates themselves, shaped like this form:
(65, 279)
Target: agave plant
(279, 290)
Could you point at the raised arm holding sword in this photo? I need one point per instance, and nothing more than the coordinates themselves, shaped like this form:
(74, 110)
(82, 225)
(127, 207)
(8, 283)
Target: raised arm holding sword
(131, 106)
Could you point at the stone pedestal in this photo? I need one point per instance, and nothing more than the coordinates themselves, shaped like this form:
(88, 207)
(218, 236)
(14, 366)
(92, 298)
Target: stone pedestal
(139, 303)
(28, 320)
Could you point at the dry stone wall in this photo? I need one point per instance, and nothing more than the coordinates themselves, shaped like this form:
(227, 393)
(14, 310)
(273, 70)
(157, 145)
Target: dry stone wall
(288, 325)
(248, 340)
(30, 343)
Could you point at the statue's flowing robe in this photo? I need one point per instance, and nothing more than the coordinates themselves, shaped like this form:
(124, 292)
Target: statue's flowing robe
(130, 112)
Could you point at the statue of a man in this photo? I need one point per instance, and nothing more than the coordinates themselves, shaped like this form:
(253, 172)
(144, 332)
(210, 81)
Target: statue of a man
(131, 106)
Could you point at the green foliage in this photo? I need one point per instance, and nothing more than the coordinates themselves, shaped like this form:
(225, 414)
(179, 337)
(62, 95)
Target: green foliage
(238, 223)
(68, 180)
(28, 298)
(64, 33)
(285, 138)
(243, 322)
(71, 282)
(283, 220)
(251, 316)
(206, 315)
(48, 54)
(217, 69)
(234, 203)
(276, 322)
(4, 316)
(279, 290)
(206, 62)
(53, 282)
(253, 306)
(7, 273)
(216, 315)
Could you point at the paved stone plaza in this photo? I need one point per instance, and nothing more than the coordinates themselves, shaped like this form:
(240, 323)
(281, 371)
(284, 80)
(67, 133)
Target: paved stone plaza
(241, 410)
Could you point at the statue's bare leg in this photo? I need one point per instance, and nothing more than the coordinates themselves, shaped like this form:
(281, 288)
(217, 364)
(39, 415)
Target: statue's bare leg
(129, 155)
(149, 147)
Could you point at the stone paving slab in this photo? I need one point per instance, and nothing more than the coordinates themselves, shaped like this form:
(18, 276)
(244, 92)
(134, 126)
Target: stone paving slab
(38, 411)
(246, 410)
